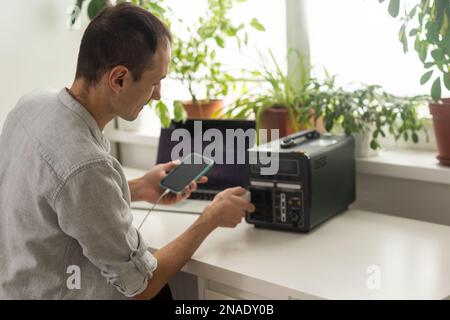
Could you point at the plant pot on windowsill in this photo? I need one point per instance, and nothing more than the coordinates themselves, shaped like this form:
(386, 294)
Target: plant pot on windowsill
(202, 109)
(278, 117)
(362, 144)
(363, 140)
(441, 123)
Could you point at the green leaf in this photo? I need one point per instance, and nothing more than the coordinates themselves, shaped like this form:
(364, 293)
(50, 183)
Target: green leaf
(413, 32)
(230, 31)
(441, 5)
(376, 133)
(154, 8)
(447, 80)
(206, 31)
(257, 25)
(76, 12)
(163, 114)
(426, 76)
(428, 65)
(423, 51)
(374, 144)
(438, 55)
(412, 13)
(447, 39)
(95, 6)
(179, 113)
(432, 32)
(220, 42)
(403, 39)
(436, 89)
(394, 8)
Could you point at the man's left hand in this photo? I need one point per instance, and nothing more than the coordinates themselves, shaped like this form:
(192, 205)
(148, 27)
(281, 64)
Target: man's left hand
(147, 187)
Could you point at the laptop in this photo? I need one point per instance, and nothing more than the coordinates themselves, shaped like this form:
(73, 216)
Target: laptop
(220, 177)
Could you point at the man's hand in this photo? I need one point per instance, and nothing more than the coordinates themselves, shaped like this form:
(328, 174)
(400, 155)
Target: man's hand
(147, 187)
(228, 208)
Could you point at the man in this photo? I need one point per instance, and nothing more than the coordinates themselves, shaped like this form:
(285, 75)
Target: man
(64, 201)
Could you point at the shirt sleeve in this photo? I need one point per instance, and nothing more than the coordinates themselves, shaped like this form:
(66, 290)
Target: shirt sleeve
(91, 209)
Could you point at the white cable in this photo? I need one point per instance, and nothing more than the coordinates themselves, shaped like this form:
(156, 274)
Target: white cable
(153, 207)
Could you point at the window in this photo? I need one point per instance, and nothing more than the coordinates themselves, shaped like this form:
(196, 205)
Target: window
(271, 13)
(354, 39)
(358, 40)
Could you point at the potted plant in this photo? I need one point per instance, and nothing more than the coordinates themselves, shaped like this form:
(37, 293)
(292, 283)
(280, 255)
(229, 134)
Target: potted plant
(195, 60)
(427, 23)
(368, 113)
(282, 104)
(441, 123)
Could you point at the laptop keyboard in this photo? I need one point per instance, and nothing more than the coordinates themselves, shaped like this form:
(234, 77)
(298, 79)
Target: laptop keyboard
(203, 195)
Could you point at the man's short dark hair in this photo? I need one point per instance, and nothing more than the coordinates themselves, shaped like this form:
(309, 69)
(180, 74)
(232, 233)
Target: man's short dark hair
(120, 35)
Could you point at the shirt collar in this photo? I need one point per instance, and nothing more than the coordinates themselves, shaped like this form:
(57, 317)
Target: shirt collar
(70, 102)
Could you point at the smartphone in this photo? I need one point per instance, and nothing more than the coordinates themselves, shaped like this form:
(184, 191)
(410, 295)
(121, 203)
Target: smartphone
(190, 169)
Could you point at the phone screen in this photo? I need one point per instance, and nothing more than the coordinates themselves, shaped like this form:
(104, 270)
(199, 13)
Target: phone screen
(191, 168)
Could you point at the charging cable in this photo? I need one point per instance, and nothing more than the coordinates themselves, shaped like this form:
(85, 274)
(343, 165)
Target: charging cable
(153, 207)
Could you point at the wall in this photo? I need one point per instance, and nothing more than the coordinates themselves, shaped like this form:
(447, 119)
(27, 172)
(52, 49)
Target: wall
(136, 156)
(37, 49)
(412, 199)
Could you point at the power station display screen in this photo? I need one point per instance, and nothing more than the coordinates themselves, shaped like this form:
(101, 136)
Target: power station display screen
(285, 167)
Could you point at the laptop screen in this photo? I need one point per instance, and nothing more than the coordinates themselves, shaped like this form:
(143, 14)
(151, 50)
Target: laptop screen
(221, 176)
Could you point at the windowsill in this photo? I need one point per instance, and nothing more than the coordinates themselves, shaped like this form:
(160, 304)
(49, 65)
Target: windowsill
(406, 164)
(419, 165)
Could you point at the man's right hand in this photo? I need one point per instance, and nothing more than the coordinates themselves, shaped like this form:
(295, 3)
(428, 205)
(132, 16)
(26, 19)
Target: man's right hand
(228, 208)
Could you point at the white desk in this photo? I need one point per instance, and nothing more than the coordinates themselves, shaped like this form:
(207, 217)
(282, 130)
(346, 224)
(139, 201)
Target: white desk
(330, 262)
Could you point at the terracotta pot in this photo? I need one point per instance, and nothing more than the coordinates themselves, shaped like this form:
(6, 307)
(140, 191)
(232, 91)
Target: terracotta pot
(278, 118)
(202, 109)
(441, 123)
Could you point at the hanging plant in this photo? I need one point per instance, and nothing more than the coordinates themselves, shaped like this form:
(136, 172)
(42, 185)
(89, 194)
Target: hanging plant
(427, 25)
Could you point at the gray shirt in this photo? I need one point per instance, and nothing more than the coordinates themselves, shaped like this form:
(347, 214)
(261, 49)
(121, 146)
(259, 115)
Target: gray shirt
(65, 221)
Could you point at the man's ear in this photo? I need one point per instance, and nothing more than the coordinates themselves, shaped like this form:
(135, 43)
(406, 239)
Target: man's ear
(117, 77)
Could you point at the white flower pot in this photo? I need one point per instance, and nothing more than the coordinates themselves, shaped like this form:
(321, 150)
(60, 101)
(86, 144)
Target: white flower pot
(362, 145)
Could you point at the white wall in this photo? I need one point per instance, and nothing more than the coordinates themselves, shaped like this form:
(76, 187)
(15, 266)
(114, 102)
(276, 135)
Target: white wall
(404, 198)
(36, 48)
(137, 156)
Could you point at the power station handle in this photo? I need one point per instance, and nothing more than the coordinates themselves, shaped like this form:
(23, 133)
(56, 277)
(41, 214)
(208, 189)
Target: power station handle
(290, 141)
